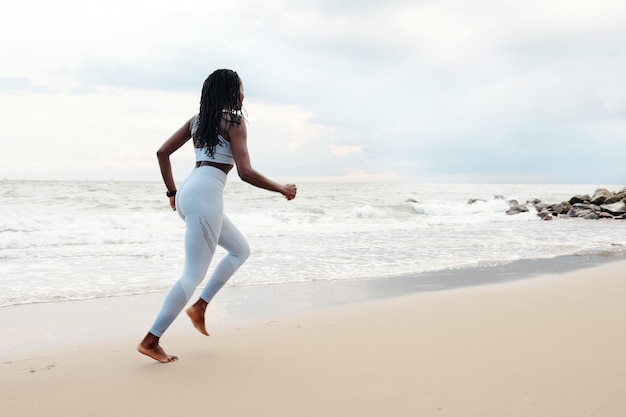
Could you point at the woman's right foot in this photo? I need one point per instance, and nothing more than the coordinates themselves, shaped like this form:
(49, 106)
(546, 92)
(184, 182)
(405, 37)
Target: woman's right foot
(149, 346)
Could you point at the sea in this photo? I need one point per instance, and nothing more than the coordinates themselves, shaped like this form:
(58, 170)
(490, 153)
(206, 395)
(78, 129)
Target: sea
(77, 240)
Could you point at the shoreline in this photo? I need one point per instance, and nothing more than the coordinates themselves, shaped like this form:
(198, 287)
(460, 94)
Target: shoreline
(549, 345)
(32, 329)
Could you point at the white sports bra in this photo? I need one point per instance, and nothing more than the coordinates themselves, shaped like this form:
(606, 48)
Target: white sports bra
(223, 153)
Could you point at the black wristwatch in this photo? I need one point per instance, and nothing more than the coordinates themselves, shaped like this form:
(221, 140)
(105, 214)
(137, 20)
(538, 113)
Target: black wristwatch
(171, 193)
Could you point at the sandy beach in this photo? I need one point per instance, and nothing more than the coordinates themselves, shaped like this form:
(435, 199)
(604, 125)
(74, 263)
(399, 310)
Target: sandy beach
(551, 345)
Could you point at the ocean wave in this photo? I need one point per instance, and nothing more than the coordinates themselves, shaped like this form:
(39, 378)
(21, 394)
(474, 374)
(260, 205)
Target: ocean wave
(64, 250)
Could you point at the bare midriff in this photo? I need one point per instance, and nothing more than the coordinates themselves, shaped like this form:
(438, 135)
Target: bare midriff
(223, 167)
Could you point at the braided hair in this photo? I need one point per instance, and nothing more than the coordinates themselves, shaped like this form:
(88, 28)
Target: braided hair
(219, 100)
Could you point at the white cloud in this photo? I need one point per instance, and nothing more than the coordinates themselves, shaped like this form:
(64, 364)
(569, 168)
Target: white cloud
(394, 88)
(341, 150)
(110, 133)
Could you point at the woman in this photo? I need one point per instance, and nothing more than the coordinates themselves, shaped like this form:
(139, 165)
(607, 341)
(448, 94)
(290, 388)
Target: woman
(220, 142)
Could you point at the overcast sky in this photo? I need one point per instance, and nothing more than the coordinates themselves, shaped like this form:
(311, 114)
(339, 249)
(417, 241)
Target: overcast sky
(494, 91)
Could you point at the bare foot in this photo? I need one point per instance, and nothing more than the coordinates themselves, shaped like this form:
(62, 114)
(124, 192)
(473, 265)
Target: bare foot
(196, 314)
(149, 346)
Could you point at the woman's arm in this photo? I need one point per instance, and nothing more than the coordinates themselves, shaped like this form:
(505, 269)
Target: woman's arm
(238, 137)
(178, 139)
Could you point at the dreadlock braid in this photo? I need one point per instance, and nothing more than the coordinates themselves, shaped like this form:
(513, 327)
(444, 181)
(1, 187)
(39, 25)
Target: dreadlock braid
(220, 99)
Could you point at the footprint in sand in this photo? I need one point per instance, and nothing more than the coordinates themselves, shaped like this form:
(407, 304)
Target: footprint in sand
(45, 368)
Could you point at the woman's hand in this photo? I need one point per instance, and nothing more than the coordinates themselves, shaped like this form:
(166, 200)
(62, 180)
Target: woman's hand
(289, 191)
(173, 202)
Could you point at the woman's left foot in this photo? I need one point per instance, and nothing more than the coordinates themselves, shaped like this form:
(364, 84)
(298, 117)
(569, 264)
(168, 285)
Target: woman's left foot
(196, 314)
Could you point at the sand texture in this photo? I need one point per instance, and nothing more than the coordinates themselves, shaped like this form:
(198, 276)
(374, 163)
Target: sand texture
(553, 345)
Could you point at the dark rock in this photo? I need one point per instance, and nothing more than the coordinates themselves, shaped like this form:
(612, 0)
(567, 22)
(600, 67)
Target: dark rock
(516, 208)
(562, 208)
(600, 196)
(545, 215)
(621, 196)
(411, 200)
(542, 206)
(474, 200)
(592, 216)
(580, 198)
(579, 210)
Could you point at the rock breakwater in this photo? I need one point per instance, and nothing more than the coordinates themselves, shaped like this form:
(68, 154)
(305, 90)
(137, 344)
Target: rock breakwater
(603, 204)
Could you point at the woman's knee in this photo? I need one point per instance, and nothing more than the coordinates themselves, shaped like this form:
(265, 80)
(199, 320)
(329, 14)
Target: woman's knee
(190, 281)
(244, 252)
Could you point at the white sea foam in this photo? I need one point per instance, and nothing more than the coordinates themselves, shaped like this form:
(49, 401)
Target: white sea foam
(73, 240)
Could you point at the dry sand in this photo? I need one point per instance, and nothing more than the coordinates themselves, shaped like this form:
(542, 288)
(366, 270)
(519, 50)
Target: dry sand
(551, 346)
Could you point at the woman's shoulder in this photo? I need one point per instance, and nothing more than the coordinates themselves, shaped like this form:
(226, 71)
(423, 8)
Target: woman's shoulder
(193, 124)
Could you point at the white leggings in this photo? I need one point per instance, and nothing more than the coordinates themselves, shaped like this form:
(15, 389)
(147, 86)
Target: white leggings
(199, 202)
